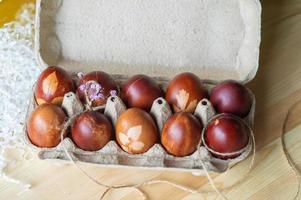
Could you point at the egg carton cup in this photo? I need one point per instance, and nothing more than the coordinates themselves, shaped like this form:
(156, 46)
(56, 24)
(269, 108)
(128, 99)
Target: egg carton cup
(111, 155)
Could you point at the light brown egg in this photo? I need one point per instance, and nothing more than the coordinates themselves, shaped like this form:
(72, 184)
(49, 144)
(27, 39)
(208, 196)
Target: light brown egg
(45, 124)
(136, 131)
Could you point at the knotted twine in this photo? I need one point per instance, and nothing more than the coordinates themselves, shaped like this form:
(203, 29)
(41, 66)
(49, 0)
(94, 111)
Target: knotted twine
(137, 187)
(288, 158)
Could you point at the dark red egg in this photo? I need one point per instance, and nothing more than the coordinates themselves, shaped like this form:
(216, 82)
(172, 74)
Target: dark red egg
(231, 97)
(97, 86)
(91, 131)
(181, 134)
(141, 91)
(45, 124)
(53, 83)
(184, 92)
(226, 133)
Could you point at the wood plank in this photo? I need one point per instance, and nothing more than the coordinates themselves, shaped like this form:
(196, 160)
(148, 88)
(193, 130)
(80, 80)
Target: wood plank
(277, 84)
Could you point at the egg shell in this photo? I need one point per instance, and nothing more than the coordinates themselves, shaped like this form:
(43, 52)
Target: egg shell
(45, 124)
(184, 92)
(91, 131)
(106, 82)
(226, 133)
(136, 131)
(51, 86)
(181, 134)
(141, 91)
(231, 97)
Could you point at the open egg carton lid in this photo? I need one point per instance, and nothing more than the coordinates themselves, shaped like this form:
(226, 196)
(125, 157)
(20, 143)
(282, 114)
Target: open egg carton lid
(215, 39)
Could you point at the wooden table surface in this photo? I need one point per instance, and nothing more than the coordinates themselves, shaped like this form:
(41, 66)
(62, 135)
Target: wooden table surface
(277, 86)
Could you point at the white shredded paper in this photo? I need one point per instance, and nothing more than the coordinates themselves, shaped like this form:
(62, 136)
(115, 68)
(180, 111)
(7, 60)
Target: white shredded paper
(18, 71)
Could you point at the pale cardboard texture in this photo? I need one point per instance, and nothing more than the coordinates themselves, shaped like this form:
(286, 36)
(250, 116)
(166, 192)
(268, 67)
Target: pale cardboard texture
(215, 39)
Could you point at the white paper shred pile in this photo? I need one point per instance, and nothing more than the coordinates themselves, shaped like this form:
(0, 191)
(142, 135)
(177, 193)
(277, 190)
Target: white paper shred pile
(18, 71)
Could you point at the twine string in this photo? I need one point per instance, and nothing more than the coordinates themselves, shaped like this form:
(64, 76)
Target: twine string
(185, 188)
(285, 151)
(190, 190)
(149, 182)
(238, 152)
(73, 161)
(220, 194)
(250, 168)
(137, 187)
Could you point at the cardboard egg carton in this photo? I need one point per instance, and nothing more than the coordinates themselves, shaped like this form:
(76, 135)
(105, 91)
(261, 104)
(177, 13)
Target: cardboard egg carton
(156, 156)
(214, 39)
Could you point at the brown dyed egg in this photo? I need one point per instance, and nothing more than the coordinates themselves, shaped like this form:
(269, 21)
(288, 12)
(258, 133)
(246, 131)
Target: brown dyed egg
(98, 86)
(91, 131)
(184, 92)
(52, 85)
(226, 133)
(181, 134)
(231, 97)
(141, 91)
(45, 124)
(136, 131)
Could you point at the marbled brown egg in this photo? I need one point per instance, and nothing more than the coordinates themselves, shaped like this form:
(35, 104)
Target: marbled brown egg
(181, 134)
(91, 131)
(45, 124)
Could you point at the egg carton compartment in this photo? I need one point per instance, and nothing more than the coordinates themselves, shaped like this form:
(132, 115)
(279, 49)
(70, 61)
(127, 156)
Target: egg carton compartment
(156, 157)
